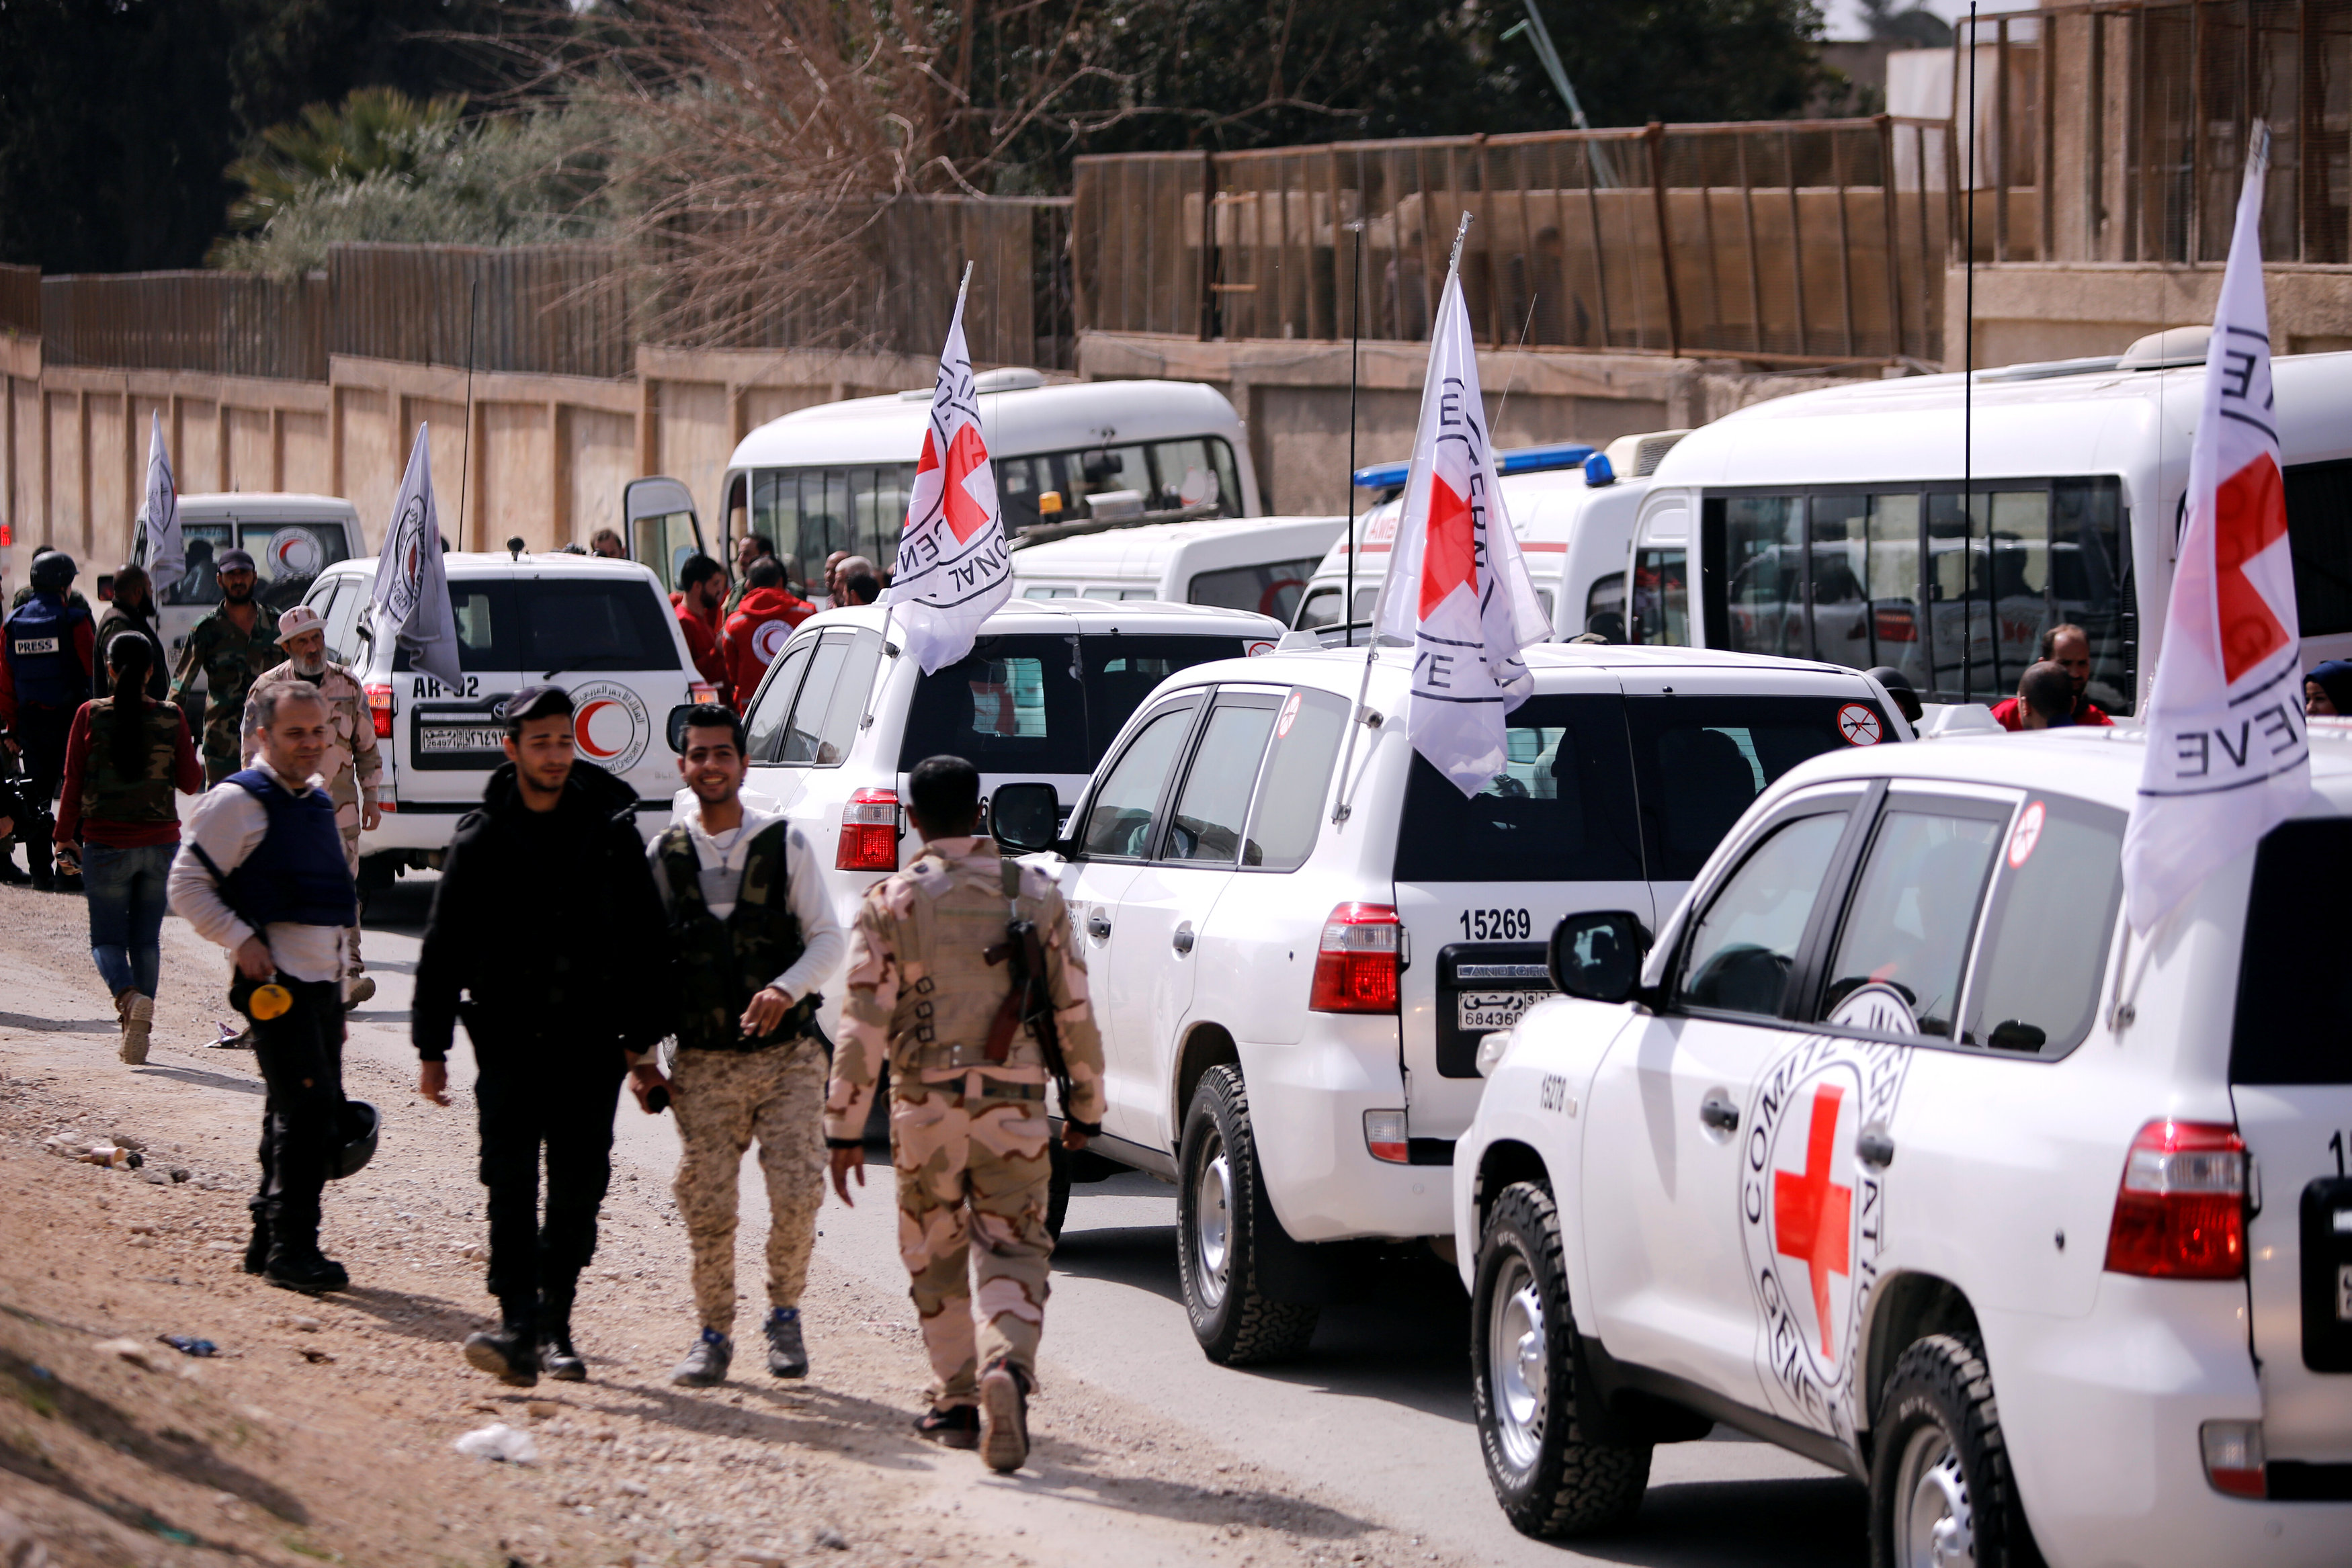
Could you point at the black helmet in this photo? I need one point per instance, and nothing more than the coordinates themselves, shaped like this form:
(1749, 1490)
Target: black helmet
(356, 1137)
(54, 572)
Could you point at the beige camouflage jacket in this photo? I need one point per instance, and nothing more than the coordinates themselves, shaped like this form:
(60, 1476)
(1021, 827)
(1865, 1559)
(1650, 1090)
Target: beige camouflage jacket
(922, 996)
(352, 762)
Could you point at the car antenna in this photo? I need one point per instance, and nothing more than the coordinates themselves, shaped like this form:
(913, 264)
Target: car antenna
(465, 452)
(1355, 350)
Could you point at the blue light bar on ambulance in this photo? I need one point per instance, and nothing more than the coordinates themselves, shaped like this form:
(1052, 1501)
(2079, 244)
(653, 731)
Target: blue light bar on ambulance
(1523, 460)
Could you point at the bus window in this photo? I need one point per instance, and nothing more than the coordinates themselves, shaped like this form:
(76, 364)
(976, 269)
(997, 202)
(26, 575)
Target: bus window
(1764, 569)
(1606, 597)
(1865, 567)
(809, 513)
(2319, 535)
(1660, 602)
(2019, 561)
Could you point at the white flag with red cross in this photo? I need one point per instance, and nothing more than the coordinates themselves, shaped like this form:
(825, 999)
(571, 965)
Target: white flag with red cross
(954, 568)
(2226, 757)
(1457, 588)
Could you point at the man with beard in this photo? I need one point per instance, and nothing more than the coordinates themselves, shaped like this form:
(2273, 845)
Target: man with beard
(547, 922)
(350, 765)
(232, 647)
(701, 589)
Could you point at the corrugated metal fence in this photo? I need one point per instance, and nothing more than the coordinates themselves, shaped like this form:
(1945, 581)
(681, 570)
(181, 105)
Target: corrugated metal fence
(1797, 241)
(20, 299)
(225, 323)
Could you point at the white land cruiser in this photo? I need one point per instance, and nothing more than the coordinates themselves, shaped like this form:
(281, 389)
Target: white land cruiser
(1292, 1007)
(1897, 1150)
(602, 629)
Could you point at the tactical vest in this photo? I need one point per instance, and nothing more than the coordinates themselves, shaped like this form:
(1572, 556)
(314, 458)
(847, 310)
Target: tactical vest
(955, 991)
(723, 964)
(108, 795)
(42, 659)
(297, 874)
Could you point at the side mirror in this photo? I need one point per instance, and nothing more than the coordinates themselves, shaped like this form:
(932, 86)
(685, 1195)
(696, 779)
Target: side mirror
(1598, 956)
(1024, 817)
(676, 728)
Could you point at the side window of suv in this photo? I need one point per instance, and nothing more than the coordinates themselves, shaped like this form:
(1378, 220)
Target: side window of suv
(1122, 814)
(824, 721)
(1742, 951)
(1206, 826)
(1915, 907)
(1288, 815)
(766, 722)
(2036, 990)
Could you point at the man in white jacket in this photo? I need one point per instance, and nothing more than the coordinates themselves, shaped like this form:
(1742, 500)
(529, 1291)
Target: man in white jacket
(755, 935)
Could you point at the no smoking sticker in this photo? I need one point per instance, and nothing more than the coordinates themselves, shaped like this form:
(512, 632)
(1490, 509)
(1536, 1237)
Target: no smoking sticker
(1289, 717)
(1859, 724)
(2026, 834)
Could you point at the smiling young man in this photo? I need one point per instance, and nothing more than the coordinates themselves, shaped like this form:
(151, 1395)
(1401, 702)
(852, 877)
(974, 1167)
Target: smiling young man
(755, 935)
(261, 872)
(546, 922)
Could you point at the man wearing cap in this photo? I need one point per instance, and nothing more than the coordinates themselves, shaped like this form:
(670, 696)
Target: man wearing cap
(46, 651)
(350, 765)
(232, 647)
(546, 923)
(261, 873)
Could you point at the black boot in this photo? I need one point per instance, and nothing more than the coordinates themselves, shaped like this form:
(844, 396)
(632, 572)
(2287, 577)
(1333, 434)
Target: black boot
(294, 1265)
(556, 1356)
(509, 1353)
(256, 1251)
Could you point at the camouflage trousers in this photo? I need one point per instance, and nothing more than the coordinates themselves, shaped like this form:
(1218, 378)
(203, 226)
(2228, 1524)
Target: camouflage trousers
(724, 1099)
(972, 1174)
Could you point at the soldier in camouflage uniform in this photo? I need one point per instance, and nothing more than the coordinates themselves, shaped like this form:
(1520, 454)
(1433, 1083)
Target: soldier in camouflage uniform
(352, 765)
(755, 934)
(233, 646)
(968, 1127)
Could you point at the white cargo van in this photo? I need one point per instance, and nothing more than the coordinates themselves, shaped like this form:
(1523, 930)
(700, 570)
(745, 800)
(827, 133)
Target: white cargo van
(291, 538)
(1573, 515)
(1830, 525)
(836, 476)
(1258, 564)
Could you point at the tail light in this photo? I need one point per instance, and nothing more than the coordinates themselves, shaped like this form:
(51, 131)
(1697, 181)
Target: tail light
(1895, 626)
(869, 833)
(701, 692)
(380, 710)
(1357, 960)
(2233, 1456)
(1384, 1136)
(2180, 1213)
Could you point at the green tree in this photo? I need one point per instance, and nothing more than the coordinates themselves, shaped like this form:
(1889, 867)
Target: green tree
(375, 130)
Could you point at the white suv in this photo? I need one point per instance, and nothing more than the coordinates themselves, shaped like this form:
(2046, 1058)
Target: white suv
(1292, 1005)
(601, 629)
(1899, 1152)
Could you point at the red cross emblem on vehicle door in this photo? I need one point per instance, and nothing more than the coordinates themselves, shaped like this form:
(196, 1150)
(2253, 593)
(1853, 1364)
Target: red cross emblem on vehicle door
(1812, 1216)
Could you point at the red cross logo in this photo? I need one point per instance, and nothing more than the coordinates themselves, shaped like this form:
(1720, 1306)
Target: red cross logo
(1449, 558)
(1812, 1216)
(2248, 517)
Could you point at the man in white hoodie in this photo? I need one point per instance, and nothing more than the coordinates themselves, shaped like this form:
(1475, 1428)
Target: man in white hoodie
(755, 935)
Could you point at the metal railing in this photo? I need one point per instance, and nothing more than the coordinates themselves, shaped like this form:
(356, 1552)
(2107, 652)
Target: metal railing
(1795, 242)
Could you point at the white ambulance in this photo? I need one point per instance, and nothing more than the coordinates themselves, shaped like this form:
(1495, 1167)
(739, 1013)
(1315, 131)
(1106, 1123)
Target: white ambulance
(292, 539)
(1258, 564)
(1897, 1149)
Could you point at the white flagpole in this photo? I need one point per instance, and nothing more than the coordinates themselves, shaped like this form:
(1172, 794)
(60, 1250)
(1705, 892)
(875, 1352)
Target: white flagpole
(1416, 469)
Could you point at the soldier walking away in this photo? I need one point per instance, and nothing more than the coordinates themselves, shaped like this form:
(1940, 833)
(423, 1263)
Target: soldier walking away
(969, 1057)
(547, 923)
(754, 931)
(125, 756)
(261, 873)
(351, 766)
(45, 663)
(231, 647)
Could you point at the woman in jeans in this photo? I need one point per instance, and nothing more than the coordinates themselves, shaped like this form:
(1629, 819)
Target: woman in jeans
(124, 756)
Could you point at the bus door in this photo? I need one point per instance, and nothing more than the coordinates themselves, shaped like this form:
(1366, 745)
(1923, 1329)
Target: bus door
(661, 526)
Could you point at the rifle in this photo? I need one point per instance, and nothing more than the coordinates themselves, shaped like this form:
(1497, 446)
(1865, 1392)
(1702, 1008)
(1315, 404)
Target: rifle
(1030, 998)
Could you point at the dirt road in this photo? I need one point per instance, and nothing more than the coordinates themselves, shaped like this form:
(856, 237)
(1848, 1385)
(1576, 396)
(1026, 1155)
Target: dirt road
(323, 1432)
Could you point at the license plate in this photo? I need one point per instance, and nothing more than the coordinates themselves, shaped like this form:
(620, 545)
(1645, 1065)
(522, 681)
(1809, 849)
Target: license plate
(447, 737)
(1495, 1010)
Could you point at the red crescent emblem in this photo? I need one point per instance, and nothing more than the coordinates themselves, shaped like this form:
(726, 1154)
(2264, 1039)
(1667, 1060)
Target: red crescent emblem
(582, 730)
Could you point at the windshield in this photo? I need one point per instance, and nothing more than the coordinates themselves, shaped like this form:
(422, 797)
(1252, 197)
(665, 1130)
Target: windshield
(287, 559)
(1017, 705)
(2294, 991)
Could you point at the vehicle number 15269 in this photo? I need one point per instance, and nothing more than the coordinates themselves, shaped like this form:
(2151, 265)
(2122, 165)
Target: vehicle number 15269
(1497, 925)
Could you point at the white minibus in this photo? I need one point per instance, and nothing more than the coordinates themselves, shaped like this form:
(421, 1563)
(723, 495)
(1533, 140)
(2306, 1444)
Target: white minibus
(836, 476)
(1259, 564)
(1830, 525)
(1571, 508)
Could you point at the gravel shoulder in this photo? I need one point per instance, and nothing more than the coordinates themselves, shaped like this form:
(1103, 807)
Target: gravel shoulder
(323, 1431)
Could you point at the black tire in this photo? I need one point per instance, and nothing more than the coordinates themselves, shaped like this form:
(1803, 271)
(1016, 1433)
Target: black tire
(1058, 1187)
(1940, 1464)
(1235, 1321)
(1551, 1481)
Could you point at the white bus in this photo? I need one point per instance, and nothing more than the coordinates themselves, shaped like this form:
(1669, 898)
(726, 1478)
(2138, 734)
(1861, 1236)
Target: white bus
(1831, 525)
(836, 476)
(1260, 564)
(1573, 515)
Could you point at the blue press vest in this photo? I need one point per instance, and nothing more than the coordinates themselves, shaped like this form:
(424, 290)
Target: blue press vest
(40, 652)
(297, 874)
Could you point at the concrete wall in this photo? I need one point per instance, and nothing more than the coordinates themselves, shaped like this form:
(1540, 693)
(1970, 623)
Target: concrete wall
(2059, 310)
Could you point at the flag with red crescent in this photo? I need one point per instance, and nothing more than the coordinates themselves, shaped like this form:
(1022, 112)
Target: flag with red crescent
(954, 567)
(1458, 591)
(2227, 756)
